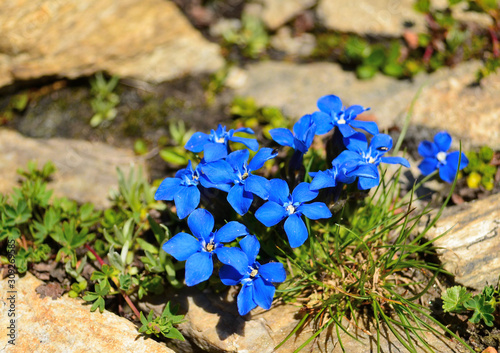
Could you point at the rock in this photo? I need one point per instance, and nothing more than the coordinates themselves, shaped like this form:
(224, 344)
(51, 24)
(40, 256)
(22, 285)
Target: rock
(86, 171)
(213, 325)
(65, 325)
(448, 97)
(276, 13)
(302, 45)
(371, 17)
(148, 40)
(470, 248)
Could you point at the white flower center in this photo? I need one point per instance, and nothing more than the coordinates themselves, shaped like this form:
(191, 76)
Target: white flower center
(341, 121)
(290, 209)
(441, 156)
(254, 273)
(220, 140)
(210, 247)
(371, 160)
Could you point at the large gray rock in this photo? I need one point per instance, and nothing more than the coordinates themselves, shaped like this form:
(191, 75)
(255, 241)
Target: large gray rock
(148, 40)
(470, 249)
(213, 325)
(86, 171)
(448, 100)
(65, 325)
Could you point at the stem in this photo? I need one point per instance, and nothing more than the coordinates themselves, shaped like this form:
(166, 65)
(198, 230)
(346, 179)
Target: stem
(494, 41)
(117, 284)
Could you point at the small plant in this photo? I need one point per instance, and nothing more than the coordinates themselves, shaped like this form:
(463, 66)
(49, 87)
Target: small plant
(252, 37)
(481, 306)
(164, 324)
(179, 135)
(481, 172)
(104, 100)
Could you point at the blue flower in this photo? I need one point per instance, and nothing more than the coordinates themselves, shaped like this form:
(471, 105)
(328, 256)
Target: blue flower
(332, 113)
(282, 205)
(435, 157)
(368, 157)
(236, 172)
(183, 190)
(300, 140)
(199, 250)
(216, 145)
(256, 279)
(342, 171)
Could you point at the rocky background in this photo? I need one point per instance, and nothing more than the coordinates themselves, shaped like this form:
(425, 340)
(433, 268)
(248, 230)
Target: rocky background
(165, 53)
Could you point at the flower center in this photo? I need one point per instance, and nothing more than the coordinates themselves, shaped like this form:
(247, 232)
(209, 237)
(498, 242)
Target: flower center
(220, 139)
(244, 176)
(290, 209)
(254, 273)
(371, 160)
(210, 247)
(341, 121)
(441, 156)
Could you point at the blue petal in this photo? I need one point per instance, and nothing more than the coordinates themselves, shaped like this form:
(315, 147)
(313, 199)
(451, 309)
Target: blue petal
(427, 149)
(301, 127)
(214, 151)
(364, 170)
(322, 180)
(279, 191)
(187, 200)
(346, 130)
(282, 136)
(443, 141)
(353, 111)
(199, 268)
(250, 246)
(381, 142)
(230, 231)
(246, 130)
(261, 157)
(233, 257)
(201, 223)
(270, 213)
(229, 275)
(329, 104)
(218, 172)
(245, 299)
(447, 173)
(396, 160)
(347, 156)
(452, 159)
(295, 230)
(367, 183)
(197, 141)
(167, 189)
(323, 122)
(369, 126)
(258, 185)
(302, 193)
(207, 184)
(428, 165)
(238, 159)
(263, 293)
(356, 143)
(273, 272)
(182, 246)
(253, 144)
(315, 210)
(239, 199)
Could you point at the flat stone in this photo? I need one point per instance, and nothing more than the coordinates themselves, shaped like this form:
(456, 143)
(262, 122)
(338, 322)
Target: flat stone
(65, 325)
(470, 249)
(276, 13)
(214, 325)
(448, 98)
(86, 171)
(371, 17)
(148, 40)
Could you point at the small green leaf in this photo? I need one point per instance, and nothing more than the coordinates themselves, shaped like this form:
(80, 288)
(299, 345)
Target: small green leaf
(454, 299)
(482, 310)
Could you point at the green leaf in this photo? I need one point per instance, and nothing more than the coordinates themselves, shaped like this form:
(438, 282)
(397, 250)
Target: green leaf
(482, 310)
(173, 156)
(173, 333)
(454, 299)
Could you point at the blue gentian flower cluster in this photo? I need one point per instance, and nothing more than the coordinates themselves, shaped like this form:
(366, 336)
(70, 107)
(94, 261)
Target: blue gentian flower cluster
(234, 172)
(436, 157)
